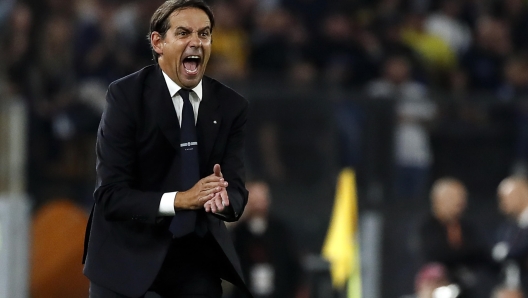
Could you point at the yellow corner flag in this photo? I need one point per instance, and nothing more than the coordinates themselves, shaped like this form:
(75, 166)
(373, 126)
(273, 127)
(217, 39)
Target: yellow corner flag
(341, 247)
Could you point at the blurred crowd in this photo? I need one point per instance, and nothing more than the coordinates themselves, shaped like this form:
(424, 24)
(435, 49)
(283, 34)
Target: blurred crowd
(441, 62)
(459, 258)
(59, 56)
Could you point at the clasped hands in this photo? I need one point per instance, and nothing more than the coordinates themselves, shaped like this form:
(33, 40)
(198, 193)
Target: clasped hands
(209, 193)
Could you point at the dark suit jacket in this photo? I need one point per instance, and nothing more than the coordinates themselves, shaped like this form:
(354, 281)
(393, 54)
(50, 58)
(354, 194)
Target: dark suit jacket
(138, 160)
(472, 255)
(517, 240)
(435, 246)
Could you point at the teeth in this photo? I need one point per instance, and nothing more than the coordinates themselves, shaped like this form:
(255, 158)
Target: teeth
(194, 57)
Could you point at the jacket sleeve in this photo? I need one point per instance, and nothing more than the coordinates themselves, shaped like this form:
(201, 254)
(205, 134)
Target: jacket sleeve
(233, 167)
(117, 164)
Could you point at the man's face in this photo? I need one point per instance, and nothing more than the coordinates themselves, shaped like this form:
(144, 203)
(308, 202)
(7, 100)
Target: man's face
(510, 199)
(450, 202)
(186, 47)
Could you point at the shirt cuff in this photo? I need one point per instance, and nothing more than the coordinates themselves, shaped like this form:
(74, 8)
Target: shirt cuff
(166, 207)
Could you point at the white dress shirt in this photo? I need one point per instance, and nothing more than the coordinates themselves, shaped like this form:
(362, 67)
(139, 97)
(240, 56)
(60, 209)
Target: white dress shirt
(166, 207)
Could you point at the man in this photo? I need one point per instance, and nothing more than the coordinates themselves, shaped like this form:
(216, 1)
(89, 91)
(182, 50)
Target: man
(268, 257)
(412, 150)
(169, 170)
(447, 238)
(511, 249)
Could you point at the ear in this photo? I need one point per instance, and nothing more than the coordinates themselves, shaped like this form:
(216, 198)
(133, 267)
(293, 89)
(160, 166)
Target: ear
(156, 40)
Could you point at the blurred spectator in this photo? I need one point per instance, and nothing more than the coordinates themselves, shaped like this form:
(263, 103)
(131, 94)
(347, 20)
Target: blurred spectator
(445, 24)
(516, 13)
(268, 257)
(514, 92)
(412, 155)
(57, 75)
(515, 83)
(448, 238)
(131, 21)
(16, 59)
(485, 59)
(511, 249)
(311, 12)
(231, 45)
(506, 292)
(270, 52)
(95, 41)
(392, 44)
(19, 80)
(458, 111)
(57, 81)
(341, 59)
(247, 10)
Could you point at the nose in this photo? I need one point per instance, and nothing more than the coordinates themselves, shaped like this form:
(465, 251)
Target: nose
(195, 41)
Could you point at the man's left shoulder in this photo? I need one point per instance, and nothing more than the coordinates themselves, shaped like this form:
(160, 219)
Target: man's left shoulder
(222, 92)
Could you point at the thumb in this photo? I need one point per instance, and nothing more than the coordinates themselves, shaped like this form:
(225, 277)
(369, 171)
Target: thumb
(217, 171)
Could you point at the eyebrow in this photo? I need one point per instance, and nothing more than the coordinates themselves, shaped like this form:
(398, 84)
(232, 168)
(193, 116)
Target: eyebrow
(188, 29)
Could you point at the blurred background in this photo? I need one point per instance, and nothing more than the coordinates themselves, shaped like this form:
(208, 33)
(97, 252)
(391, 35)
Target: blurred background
(405, 92)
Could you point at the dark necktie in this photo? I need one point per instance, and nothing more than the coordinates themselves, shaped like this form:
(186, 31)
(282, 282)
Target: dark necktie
(184, 222)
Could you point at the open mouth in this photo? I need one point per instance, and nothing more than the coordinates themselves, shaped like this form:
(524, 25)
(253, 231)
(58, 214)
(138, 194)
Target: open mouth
(191, 64)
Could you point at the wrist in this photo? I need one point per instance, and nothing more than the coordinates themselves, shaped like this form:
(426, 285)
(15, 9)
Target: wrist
(178, 198)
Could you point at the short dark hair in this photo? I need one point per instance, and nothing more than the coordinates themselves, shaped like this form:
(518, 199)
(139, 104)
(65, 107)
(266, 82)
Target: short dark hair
(160, 21)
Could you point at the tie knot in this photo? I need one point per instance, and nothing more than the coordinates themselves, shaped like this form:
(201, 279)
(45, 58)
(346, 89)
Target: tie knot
(184, 93)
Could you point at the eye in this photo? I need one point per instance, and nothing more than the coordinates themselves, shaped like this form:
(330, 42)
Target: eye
(205, 33)
(182, 33)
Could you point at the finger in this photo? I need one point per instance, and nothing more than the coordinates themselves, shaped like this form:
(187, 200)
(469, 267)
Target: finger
(212, 204)
(210, 192)
(209, 185)
(205, 198)
(207, 207)
(211, 178)
(217, 170)
(225, 198)
(217, 202)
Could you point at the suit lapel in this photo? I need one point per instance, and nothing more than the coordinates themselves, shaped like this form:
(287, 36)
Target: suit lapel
(157, 93)
(208, 124)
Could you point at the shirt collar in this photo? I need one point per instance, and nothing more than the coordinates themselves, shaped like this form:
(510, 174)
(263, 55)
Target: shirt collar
(522, 221)
(174, 88)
